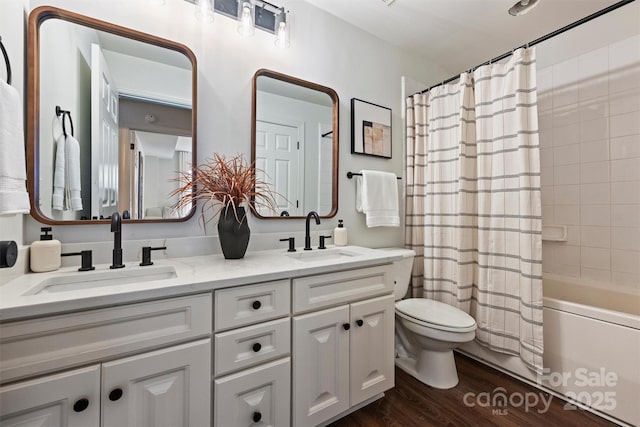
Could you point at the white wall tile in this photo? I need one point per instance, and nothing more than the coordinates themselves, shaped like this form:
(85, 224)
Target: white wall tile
(598, 258)
(564, 175)
(565, 86)
(624, 53)
(594, 64)
(595, 194)
(625, 124)
(625, 261)
(593, 275)
(599, 215)
(593, 109)
(594, 151)
(566, 115)
(626, 279)
(545, 119)
(567, 255)
(548, 257)
(625, 215)
(546, 195)
(546, 157)
(565, 135)
(624, 102)
(596, 237)
(567, 270)
(625, 147)
(594, 172)
(625, 192)
(626, 238)
(566, 155)
(546, 137)
(548, 217)
(625, 169)
(624, 79)
(566, 195)
(545, 84)
(592, 130)
(546, 176)
(573, 235)
(566, 214)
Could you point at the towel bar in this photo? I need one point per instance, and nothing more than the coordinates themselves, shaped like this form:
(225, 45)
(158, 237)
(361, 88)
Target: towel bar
(352, 174)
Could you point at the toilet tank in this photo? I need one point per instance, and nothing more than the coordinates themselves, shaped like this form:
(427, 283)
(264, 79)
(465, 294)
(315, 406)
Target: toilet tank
(400, 271)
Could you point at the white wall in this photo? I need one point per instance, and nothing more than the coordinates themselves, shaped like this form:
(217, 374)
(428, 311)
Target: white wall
(323, 49)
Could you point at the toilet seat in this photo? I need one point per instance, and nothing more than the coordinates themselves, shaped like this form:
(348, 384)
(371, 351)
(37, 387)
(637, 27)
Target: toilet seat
(435, 314)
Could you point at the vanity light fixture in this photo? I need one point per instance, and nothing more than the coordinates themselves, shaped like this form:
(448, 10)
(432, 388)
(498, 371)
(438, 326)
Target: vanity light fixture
(245, 24)
(250, 14)
(204, 10)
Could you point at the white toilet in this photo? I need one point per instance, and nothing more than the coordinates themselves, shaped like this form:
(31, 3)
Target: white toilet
(427, 331)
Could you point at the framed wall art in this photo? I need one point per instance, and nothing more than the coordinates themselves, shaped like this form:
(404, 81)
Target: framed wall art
(370, 129)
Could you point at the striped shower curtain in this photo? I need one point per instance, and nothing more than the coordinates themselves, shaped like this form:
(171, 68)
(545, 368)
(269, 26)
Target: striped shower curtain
(473, 202)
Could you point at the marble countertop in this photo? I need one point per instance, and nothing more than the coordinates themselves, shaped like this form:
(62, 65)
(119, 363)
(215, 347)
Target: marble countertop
(19, 298)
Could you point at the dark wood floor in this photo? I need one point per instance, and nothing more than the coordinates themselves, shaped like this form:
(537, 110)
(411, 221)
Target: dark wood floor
(412, 403)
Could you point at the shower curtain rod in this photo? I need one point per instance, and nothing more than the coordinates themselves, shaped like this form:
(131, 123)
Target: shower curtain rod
(543, 38)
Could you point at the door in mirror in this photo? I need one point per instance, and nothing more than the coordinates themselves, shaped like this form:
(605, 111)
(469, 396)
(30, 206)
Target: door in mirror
(295, 144)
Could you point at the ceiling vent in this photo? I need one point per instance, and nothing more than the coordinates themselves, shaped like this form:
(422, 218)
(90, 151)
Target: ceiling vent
(388, 2)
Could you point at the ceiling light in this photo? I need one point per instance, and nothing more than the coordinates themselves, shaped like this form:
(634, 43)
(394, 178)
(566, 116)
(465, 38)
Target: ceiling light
(522, 7)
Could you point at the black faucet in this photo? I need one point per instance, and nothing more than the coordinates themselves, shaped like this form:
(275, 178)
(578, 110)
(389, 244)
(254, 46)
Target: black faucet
(307, 236)
(116, 229)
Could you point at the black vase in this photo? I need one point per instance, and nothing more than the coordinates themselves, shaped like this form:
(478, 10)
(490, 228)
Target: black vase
(233, 235)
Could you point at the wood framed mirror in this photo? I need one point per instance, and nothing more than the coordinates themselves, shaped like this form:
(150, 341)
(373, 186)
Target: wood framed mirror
(294, 144)
(127, 99)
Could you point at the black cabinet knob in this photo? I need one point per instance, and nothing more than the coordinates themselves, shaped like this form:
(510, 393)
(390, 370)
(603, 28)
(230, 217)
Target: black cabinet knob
(256, 305)
(257, 416)
(346, 326)
(359, 322)
(257, 347)
(81, 405)
(115, 394)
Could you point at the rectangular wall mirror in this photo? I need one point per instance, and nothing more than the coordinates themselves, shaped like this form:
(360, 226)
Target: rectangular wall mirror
(295, 144)
(111, 120)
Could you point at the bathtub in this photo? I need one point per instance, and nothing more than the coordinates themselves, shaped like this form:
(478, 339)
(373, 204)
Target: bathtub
(591, 349)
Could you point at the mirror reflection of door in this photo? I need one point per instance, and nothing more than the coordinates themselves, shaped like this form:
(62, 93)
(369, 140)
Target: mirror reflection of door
(280, 158)
(104, 134)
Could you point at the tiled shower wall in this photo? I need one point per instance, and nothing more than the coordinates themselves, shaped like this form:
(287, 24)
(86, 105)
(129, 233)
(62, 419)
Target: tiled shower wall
(589, 111)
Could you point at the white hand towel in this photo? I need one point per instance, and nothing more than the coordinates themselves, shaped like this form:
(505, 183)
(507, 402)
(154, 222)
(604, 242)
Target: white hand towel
(14, 198)
(72, 169)
(377, 198)
(57, 202)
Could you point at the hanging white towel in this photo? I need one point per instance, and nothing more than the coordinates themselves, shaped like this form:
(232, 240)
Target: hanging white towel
(66, 175)
(72, 175)
(377, 198)
(57, 202)
(14, 198)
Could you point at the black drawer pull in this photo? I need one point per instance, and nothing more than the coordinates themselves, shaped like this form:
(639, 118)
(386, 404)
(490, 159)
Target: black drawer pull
(346, 326)
(257, 416)
(256, 305)
(257, 347)
(359, 322)
(81, 405)
(115, 394)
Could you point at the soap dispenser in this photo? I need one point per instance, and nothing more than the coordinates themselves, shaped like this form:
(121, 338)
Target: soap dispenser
(45, 253)
(340, 234)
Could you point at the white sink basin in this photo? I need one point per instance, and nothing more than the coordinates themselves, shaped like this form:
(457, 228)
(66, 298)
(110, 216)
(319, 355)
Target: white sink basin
(97, 279)
(323, 254)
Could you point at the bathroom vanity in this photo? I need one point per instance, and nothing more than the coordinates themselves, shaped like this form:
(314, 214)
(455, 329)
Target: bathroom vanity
(275, 338)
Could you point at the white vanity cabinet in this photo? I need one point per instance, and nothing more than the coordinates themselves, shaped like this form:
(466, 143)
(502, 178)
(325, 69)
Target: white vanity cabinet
(342, 355)
(122, 386)
(252, 347)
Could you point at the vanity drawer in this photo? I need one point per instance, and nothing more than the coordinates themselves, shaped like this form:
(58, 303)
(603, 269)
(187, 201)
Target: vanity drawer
(255, 396)
(326, 290)
(245, 347)
(244, 305)
(47, 344)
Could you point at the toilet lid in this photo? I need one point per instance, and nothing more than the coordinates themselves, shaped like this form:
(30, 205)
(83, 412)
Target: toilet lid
(436, 313)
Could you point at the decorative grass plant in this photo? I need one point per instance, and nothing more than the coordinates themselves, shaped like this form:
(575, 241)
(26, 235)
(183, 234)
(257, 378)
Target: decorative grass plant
(221, 184)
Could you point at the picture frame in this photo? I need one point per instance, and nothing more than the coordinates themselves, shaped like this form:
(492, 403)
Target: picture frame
(370, 129)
